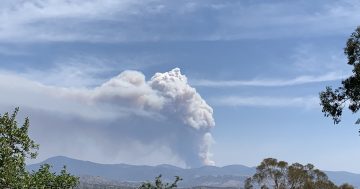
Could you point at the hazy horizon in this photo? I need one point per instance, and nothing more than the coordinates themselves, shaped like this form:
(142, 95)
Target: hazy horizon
(249, 166)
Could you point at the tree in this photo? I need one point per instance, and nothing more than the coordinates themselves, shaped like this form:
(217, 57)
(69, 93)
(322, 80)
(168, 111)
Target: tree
(43, 178)
(159, 184)
(269, 173)
(346, 186)
(16, 146)
(272, 173)
(334, 101)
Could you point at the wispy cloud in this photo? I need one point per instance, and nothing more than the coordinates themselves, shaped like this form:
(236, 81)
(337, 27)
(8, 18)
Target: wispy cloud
(81, 70)
(306, 102)
(134, 20)
(314, 58)
(306, 79)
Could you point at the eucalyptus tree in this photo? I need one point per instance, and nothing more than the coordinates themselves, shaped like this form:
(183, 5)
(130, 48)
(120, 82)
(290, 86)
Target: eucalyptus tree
(333, 101)
(275, 174)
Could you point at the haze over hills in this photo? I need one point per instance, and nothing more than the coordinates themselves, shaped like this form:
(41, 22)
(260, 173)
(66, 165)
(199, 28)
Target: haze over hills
(133, 175)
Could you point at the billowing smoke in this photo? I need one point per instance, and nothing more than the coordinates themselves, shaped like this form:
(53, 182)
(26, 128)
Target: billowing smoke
(126, 114)
(169, 95)
(182, 100)
(185, 104)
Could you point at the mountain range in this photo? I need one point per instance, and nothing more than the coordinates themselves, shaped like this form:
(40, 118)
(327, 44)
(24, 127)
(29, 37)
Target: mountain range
(124, 175)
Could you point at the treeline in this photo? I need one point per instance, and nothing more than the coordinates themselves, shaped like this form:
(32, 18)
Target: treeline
(275, 174)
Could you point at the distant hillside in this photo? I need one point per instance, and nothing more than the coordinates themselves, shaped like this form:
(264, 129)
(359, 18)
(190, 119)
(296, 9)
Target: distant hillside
(340, 177)
(133, 175)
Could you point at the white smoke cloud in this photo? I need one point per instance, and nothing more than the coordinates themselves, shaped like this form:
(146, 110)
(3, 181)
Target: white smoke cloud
(187, 105)
(126, 117)
(183, 100)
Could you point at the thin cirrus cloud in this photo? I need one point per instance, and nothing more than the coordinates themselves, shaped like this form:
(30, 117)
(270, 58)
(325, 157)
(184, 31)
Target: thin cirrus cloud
(57, 20)
(306, 79)
(82, 71)
(308, 102)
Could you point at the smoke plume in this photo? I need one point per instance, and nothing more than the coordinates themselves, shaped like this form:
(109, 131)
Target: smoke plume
(126, 117)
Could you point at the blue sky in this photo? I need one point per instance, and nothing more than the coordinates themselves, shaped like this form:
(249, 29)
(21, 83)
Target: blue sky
(258, 64)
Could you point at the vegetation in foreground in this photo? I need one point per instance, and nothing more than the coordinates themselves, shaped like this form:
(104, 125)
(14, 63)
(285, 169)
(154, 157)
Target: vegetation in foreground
(334, 101)
(275, 174)
(159, 184)
(16, 146)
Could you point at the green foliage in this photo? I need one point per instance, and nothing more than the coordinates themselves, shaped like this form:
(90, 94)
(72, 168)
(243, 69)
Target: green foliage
(159, 184)
(43, 178)
(16, 146)
(334, 101)
(272, 173)
(346, 186)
